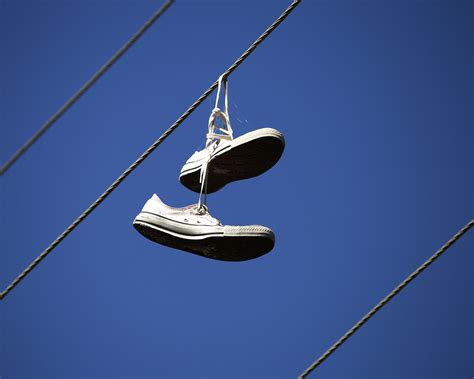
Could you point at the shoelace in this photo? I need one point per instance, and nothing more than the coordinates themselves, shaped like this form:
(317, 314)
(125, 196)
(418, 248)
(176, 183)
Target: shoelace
(202, 210)
(213, 138)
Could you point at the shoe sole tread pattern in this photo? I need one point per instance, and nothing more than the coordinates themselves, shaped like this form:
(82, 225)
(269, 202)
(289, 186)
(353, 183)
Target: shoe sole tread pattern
(243, 161)
(243, 243)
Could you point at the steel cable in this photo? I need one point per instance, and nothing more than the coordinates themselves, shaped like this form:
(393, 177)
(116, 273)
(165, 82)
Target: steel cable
(142, 157)
(68, 104)
(384, 301)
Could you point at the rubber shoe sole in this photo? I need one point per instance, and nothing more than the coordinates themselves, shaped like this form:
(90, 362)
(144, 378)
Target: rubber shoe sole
(250, 155)
(237, 243)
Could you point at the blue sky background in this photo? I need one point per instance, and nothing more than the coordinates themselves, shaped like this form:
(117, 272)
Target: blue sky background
(375, 101)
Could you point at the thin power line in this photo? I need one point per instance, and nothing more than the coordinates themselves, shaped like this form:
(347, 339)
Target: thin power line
(68, 104)
(391, 295)
(142, 157)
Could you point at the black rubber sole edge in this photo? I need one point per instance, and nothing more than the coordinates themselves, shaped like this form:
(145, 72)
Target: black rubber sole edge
(222, 248)
(241, 162)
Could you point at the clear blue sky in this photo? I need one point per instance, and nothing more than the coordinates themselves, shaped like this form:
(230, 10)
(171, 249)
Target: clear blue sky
(375, 100)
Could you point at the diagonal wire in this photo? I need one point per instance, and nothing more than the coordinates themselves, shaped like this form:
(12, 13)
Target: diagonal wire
(68, 104)
(142, 157)
(389, 297)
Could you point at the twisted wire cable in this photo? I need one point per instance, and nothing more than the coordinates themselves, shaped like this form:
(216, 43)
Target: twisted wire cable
(385, 300)
(148, 151)
(69, 103)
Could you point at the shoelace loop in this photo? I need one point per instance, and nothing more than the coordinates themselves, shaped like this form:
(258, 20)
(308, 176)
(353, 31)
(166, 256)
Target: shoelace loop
(213, 138)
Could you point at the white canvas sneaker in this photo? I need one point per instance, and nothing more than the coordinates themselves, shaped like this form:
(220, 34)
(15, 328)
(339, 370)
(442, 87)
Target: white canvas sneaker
(245, 157)
(193, 229)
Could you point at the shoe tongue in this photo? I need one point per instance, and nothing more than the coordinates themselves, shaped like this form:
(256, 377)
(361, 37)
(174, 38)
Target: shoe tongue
(211, 145)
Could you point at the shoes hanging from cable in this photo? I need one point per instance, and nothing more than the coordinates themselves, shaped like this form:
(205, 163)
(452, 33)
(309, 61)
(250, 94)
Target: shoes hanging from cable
(23, 274)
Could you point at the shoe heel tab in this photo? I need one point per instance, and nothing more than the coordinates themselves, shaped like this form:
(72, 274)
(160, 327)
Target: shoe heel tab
(155, 199)
(152, 203)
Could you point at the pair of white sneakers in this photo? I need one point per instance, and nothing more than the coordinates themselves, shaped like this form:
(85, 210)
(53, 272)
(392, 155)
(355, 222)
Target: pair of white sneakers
(224, 160)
